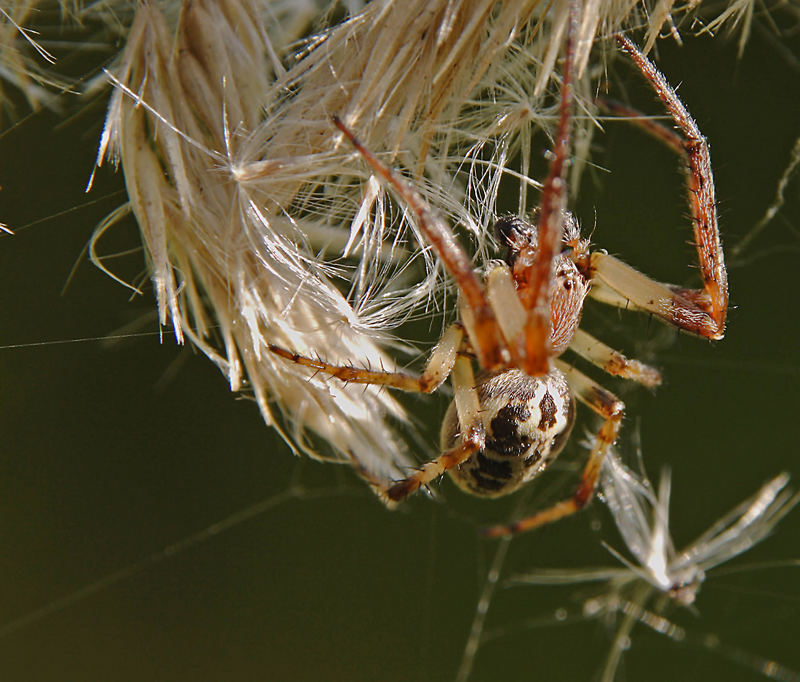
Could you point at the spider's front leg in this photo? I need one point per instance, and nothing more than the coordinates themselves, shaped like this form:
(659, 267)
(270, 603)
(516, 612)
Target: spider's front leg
(485, 332)
(703, 311)
(534, 268)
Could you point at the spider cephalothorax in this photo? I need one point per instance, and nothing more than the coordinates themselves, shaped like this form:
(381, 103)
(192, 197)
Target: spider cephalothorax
(514, 322)
(568, 285)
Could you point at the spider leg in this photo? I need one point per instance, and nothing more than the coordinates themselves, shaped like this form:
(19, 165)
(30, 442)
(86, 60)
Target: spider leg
(688, 309)
(712, 301)
(437, 369)
(511, 315)
(600, 291)
(488, 339)
(612, 361)
(472, 440)
(608, 406)
(535, 265)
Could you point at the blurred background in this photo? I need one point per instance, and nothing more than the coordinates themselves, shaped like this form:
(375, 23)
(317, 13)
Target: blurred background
(153, 528)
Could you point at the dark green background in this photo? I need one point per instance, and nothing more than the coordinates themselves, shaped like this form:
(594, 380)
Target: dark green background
(109, 454)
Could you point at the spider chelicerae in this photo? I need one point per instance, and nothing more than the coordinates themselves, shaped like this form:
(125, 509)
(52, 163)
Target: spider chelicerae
(504, 428)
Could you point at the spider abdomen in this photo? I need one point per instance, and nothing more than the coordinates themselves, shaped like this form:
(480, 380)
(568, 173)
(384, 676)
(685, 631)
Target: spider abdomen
(526, 419)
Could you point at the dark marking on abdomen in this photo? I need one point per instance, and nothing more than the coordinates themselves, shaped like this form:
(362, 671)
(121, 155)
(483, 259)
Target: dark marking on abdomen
(533, 458)
(484, 483)
(494, 467)
(547, 406)
(504, 438)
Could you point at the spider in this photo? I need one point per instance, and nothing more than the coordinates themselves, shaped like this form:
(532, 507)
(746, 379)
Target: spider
(505, 428)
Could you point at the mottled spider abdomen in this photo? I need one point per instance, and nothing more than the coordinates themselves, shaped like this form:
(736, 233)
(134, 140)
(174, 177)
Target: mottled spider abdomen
(527, 421)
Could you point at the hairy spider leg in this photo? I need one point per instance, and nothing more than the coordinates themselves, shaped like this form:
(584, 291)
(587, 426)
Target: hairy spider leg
(700, 311)
(535, 265)
(437, 369)
(612, 361)
(491, 347)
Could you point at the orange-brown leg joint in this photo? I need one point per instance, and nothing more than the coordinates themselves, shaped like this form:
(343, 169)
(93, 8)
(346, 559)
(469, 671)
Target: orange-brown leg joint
(472, 442)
